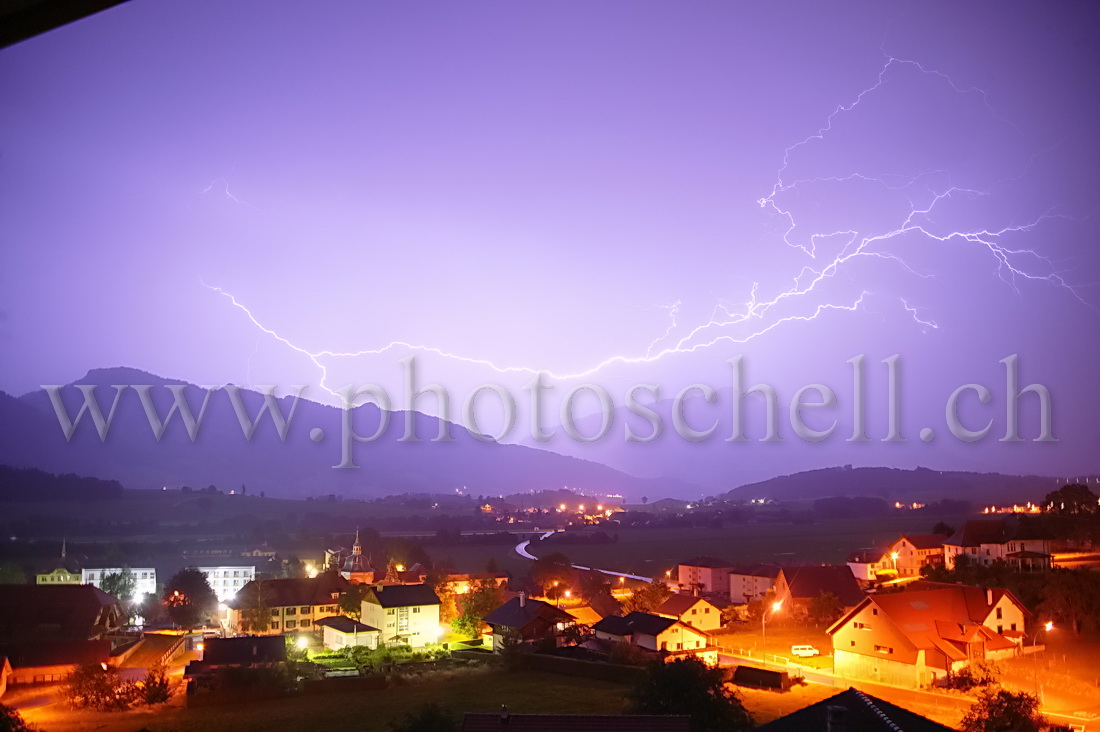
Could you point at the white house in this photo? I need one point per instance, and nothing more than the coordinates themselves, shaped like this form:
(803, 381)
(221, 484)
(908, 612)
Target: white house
(751, 583)
(145, 579)
(1009, 540)
(340, 632)
(228, 581)
(404, 613)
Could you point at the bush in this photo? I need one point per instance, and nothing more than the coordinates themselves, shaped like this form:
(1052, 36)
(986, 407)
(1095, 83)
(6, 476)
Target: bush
(976, 675)
(98, 686)
(155, 686)
(12, 721)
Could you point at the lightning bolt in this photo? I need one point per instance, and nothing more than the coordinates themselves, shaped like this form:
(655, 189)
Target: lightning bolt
(757, 316)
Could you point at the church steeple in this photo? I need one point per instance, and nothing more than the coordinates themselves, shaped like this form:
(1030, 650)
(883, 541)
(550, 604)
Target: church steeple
(357, 547)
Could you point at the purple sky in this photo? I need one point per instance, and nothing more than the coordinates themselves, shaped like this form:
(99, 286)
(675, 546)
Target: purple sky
(536, 184)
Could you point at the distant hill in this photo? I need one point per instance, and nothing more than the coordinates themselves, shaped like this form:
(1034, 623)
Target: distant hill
(31, 437)
(895, 484)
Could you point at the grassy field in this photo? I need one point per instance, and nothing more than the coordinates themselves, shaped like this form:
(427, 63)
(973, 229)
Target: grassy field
(482, 691)
(652, 551)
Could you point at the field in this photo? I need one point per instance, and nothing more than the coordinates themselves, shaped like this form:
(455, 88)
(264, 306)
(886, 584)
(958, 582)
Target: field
(482, 691)
(651, 552)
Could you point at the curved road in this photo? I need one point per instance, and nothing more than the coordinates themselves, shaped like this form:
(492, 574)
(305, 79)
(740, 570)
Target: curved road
(521, 549)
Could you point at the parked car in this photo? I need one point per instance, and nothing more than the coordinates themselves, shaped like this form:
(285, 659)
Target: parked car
(805, 651)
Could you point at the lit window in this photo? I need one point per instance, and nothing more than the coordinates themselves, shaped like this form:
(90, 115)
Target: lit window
(275, 625)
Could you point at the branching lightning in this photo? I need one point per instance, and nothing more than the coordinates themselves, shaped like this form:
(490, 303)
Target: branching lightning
(759, 316)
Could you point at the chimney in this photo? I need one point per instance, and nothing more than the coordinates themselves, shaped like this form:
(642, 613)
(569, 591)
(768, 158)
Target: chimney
(522, 603)
(834, 719)
(504, 714)
(989, 596)
(695, 589)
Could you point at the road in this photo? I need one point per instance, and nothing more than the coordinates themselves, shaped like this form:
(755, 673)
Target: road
(521, 549)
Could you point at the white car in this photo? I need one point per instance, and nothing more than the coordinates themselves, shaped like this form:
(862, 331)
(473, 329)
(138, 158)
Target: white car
(805, 651)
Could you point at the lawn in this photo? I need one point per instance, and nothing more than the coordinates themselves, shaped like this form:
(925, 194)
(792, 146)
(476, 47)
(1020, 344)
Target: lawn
(479, 691)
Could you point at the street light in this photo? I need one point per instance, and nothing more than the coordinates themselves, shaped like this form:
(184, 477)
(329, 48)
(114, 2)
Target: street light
(764, 629)
(1034, 635)
(894, 556)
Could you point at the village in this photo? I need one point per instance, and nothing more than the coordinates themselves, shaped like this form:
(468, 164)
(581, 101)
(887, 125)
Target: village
(921, 621)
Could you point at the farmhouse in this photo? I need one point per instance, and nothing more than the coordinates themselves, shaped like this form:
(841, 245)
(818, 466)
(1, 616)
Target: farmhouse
(912, 638)
(796, 587)
(47, 630)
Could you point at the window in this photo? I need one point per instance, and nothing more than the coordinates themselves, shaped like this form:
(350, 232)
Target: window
(291, 624)
(853, 644)
(305, 624)
(874, 611)
(416, 609)
(275, 625)
(679, 646)
(305, 610)
(861, 626)
(706, 611)
(1013, 626)
(999, 613)
(291, 610)
(883, 649)
(1000, 629)
(275, 613)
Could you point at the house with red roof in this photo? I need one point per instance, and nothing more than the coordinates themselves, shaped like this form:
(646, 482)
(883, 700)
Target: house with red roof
(670, 636)
(698, 612)
(1014, 540)
(913, 638)
(288, 605)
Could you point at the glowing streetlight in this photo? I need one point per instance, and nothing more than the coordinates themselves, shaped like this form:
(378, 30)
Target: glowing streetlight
(401, 568)
(1049, 626)
(894, 556)
(303, 641)
(561, 507)
(764, 629)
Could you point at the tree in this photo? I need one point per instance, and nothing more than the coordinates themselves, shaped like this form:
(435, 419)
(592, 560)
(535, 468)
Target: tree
(1069, 596)
(491, 566)
(12, 721)
(943, 529)
(687, 686)
(645, 500)
(426, 718)
(482, 599)
(351, 602)
(188, 599)
(594, 585)
(255, 611)
(999, 710)
(100, 687)
(647, 598)
(553, 570)
(1073, 498)
(120, 584)
(825, 608)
